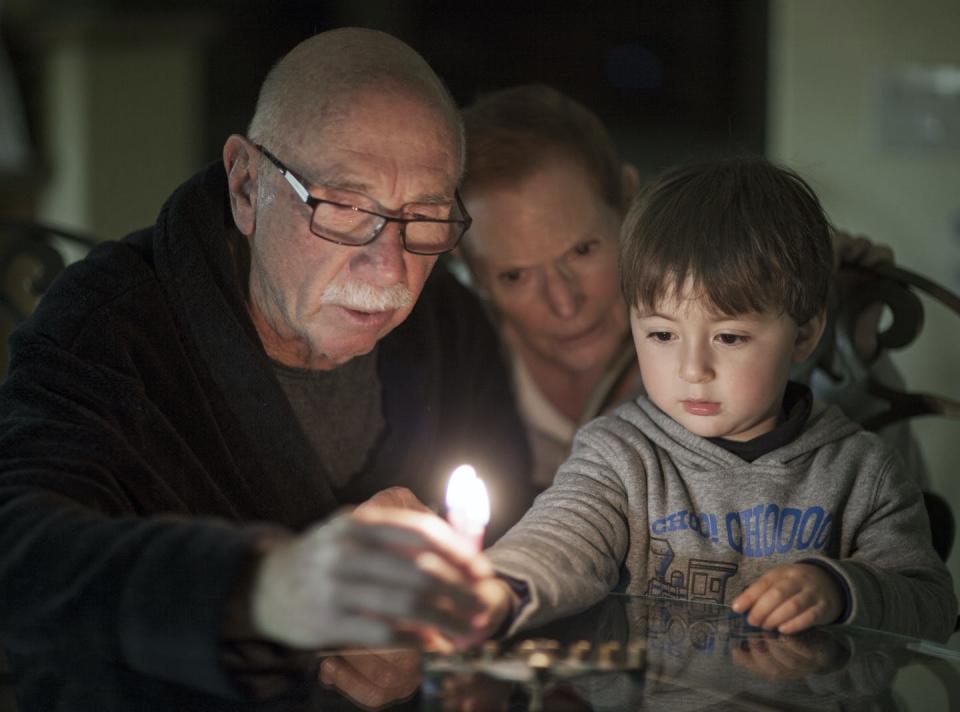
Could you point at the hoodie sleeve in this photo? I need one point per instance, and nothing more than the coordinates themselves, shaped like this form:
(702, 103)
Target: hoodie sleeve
(568, 549)
(897, 581)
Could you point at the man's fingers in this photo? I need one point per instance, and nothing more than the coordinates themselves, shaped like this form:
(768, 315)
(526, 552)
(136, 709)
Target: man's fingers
(380, 526)
(431, 591)
(405, 606)
(352, 629)
(397, 497)
(420, 572)
(397, 567)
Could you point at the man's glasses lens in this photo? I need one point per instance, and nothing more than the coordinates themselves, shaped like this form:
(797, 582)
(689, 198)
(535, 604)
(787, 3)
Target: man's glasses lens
(351, 226)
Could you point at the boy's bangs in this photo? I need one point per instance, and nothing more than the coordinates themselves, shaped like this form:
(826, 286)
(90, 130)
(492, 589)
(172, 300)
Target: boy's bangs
(743, 235)
(692, 254)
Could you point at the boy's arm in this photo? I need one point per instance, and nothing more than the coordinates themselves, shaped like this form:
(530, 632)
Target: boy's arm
(568, 549)
(897, 582)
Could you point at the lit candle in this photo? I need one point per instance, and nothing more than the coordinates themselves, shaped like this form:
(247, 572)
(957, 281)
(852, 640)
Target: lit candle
(468, 507)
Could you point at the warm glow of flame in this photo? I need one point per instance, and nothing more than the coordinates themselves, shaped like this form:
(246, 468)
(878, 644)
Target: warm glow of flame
(468, 507)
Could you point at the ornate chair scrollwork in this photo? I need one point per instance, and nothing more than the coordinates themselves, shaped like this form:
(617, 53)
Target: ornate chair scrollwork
(31, 256)
(845, 365)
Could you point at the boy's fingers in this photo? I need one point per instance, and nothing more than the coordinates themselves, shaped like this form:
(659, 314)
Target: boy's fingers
(764, 596)
(776, 605)
(748, 597)
(787, 608)
(798, 649)
(760, 663)
(806, 619)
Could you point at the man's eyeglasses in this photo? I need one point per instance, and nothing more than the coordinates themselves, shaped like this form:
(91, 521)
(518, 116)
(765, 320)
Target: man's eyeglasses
(426, 229)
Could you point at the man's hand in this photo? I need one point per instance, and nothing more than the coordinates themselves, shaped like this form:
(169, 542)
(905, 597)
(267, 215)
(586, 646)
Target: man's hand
(396, 497)
(373, 679)
(791, 598)
(367, 578)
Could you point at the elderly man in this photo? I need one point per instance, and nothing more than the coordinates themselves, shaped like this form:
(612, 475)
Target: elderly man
(187, 404)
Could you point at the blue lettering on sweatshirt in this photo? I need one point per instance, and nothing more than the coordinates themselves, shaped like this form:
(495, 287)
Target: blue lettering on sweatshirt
(758, 531)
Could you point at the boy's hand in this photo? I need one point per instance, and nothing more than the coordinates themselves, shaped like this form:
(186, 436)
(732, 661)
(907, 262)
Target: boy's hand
(791, 598)
(497, 601)
(790, 657)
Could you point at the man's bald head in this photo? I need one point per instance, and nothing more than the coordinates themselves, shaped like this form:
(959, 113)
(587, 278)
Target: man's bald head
(312, 85)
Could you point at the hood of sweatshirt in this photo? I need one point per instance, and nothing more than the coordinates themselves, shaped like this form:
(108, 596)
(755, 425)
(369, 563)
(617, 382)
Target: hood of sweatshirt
(825, 425)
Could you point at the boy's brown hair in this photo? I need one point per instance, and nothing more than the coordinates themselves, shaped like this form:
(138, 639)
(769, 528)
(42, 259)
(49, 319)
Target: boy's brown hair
(511, 133)
(749, 235)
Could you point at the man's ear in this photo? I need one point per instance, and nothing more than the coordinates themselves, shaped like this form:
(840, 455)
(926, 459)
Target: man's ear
(808, 336)
(240, 163)
(630, 178)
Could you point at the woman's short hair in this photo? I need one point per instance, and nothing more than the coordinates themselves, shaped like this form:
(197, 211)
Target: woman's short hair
(742, 232)
(511, 133)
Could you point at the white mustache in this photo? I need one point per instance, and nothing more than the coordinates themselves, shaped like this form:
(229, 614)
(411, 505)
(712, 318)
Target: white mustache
(363, 297)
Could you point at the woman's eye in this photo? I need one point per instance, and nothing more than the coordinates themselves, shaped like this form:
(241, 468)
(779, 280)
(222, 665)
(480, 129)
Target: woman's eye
(584, 248)
(661, 336)
(511, 276)
(731, 339)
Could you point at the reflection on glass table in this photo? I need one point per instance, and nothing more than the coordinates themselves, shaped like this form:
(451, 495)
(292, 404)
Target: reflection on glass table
(639, 653)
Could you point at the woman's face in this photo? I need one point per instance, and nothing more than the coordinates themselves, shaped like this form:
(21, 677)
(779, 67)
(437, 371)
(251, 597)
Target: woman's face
(545, 253)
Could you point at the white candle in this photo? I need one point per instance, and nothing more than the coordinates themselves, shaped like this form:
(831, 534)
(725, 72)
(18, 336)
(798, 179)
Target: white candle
(468, 507)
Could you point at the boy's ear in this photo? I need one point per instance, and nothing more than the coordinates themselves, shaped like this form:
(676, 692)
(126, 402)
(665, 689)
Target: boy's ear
(239, 161)
(808, 336)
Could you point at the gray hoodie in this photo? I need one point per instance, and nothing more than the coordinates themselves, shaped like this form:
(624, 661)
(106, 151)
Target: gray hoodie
(644, 506)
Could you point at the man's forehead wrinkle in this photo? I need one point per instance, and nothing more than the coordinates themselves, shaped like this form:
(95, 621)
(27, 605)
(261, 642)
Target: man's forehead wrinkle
(322, 72)
(345, 175)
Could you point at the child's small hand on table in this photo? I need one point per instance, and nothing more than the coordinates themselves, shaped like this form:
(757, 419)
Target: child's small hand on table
(791, 598)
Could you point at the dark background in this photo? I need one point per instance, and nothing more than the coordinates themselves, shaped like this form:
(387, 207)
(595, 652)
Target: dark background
(671, 79)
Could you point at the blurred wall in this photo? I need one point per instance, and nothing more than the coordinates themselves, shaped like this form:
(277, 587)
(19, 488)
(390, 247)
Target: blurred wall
(864, 101)
(121, 119)
(128, 99)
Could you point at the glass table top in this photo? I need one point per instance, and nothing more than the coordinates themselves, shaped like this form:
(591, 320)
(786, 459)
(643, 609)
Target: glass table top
(626, 653)
(639, 653)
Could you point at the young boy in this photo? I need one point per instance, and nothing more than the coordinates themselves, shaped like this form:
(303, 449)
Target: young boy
(726, 483)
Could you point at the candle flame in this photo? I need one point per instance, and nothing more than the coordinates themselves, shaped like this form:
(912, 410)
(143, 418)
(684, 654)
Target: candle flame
(468, 505)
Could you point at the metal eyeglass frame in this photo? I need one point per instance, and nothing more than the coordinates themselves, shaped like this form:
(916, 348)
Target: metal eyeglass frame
(299, 186)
